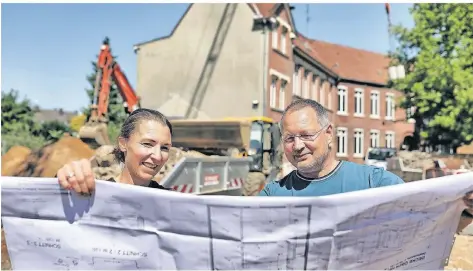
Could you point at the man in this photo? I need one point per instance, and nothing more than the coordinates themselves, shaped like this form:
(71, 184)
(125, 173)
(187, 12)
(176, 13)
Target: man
(308, 139)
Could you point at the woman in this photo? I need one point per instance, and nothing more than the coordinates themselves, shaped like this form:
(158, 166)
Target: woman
(143, 147)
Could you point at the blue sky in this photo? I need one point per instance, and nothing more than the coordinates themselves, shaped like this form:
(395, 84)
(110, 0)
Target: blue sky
(47, 49)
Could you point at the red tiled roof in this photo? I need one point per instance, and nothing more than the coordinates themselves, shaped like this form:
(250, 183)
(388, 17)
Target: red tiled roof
(353, 63)
(305, 45)
(265, 8)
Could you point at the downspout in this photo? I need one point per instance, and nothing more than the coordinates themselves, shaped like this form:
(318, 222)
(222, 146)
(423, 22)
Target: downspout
(265, 70)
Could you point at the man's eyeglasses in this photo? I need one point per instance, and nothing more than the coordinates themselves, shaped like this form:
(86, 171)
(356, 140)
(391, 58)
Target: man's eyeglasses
(303, 137)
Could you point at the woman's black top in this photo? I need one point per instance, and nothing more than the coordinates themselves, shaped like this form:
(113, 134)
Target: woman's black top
(152, 184)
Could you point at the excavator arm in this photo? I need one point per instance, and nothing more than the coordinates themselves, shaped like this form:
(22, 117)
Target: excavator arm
(95, 131)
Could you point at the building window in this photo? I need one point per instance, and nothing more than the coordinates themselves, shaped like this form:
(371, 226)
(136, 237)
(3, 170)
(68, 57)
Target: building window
(314, 88)
(296, 79)
(272, 92)
(374, 138)
(390, 143)
(283, 40)
(342, 100)
(329, 98)
(358, 143)
(322, 93)
(374, 102)
(390, 106)
(342, 141)
(305, 93)
(359, 102)
(282, 101)
(274, 35)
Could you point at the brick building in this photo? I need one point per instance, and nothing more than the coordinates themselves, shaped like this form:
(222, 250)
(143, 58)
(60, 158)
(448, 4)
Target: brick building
(239, 60)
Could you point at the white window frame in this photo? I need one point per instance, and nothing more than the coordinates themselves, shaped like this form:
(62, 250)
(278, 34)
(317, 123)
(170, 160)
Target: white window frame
(305, 90)
(284, 32)
(282, 97)
(274, 35)
(358, 142)
(390, 106)
(273, 91)
(342, 91)
(329, 97)
(344, 131)
(296, 80)
(359, 102)
(374, 136)
(322, 92)
(314, 88)
(376, 103)
(391, 134)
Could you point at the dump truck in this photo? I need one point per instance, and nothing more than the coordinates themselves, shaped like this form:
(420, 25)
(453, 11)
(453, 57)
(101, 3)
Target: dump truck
(208, 175)
(254, 137)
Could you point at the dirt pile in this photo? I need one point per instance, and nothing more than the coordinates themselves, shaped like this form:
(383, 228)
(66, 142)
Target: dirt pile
(13, 160)
(49, 159)
(46, 161)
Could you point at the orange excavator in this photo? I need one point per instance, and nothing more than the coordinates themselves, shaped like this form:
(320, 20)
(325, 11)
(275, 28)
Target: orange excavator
(95, 130)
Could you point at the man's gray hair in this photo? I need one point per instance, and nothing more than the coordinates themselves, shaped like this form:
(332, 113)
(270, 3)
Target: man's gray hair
(322, 114)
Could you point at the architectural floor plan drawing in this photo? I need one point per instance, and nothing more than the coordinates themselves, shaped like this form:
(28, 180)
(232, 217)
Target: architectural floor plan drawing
(388, 229)
(255, 243)
(403, 227)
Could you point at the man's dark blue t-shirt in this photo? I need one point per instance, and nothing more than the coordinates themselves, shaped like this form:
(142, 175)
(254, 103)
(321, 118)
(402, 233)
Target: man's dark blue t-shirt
(346, 177)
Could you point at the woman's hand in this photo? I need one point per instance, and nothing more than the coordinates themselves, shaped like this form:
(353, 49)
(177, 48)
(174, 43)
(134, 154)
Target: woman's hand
(77, 175)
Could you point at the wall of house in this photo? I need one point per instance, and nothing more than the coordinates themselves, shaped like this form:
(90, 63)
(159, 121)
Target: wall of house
(179, 76)
(366, 123)
(280, 66)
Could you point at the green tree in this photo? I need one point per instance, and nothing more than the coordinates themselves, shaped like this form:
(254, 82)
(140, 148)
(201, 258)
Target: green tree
(16, 114)
(54, 130)
(437, 54)
(116, 111)
(18, 125)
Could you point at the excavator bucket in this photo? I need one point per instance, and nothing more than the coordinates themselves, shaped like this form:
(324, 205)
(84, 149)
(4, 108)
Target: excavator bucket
(94, 134)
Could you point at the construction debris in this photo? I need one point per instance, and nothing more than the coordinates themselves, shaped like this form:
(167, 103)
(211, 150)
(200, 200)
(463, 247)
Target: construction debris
(416, 159)
(423, 160)
(105, 166)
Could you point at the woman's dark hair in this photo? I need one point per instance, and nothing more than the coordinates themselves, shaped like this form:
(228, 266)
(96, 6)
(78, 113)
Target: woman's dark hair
(131, 123)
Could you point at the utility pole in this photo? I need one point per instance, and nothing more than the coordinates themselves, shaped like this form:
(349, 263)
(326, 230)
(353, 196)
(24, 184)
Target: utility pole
(390, 34)
(307, 20)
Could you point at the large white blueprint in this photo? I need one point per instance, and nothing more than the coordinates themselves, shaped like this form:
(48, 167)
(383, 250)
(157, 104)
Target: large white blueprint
(408, 226)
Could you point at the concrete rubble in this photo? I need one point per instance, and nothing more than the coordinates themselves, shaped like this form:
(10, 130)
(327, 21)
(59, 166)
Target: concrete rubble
(423, 160)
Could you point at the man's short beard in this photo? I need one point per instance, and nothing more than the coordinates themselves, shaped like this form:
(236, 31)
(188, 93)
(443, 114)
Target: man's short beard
(316, 166)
